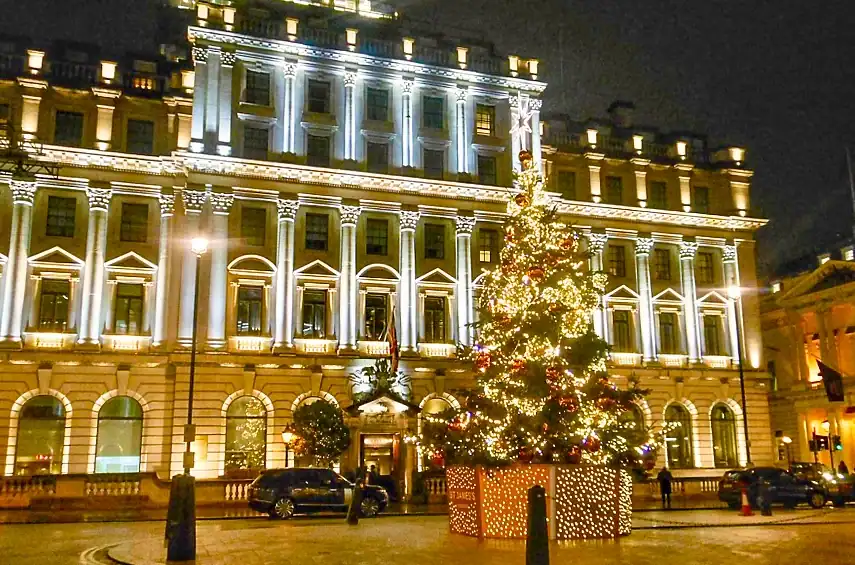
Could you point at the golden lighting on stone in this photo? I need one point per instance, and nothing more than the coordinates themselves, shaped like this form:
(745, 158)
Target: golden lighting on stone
(462, 55)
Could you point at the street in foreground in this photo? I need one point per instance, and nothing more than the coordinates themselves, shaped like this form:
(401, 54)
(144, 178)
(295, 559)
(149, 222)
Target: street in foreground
(804, 536)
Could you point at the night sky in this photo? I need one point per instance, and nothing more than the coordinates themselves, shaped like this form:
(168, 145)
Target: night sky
(777, 76)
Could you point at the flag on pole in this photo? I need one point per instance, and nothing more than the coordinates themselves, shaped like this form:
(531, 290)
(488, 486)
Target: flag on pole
(833, 382)
(392, 336)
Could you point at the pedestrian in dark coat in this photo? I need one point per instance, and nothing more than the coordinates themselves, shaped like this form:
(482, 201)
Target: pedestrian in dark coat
(664, 477)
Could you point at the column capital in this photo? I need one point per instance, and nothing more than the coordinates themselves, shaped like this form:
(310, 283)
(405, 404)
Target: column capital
(688, 249)
(23, 191)
(349, 78)
(535, 104)
(597, 241)
(409, 220)
(350, 215)
(167, 204)
(462, 91)
(407, 86)
(728, 254)
(200, 55)
(193, 200)
(99, 198)
(287, 209)
(228, 58)
(465, 224)
(643, 245)
(221, 202)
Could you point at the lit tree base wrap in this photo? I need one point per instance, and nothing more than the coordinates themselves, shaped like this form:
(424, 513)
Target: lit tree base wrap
(582, 501)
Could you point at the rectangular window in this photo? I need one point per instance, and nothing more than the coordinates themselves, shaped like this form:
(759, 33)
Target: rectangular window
(255, 143)
(5, 112)
(662, 264)
(375, 317)
(317, 151)
(614, 190)
(140, 137)
(60, 216)
(657, 195)
(434, 164)
(622, 338)
(317, 231)
(253, 225)
(434, 241)
(53, 308)
(486, 170)
(701, 200)
(617, 261)
(434, 319)
(712, 335)
(668, 333)
(134, 222)
(129, 309)
(567, 184)
(485, 119)
(377, 237)
(705, 268)
(377, 100)
(249, 308)
(432, 112)
(257, 88)
(377, 157)
(488, 246)
(314, 314)
(319, 96)
(68, 129)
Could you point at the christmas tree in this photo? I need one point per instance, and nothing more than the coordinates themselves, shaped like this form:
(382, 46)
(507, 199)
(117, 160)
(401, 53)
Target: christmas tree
(543, 393)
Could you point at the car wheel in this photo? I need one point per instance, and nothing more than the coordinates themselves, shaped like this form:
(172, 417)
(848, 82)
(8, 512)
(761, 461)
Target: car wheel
(817, 500)
(283, 508)
(369, 507)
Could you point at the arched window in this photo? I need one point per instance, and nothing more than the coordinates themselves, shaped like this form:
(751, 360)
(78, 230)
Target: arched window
(119, 445)
(246, 435)
(723, 436)
(41, 436)
(678, 437)
(633, 420)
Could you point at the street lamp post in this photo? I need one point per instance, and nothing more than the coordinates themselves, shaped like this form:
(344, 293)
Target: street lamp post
(181, 516)
(288, 437)
(826, 427)
(734, 294)
(787, 440)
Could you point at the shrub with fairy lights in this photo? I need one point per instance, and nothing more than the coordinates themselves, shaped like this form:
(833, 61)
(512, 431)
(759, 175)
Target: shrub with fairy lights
(321, 432)
(543, 392)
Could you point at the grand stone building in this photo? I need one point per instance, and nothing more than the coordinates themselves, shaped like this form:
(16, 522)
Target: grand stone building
(345, 167)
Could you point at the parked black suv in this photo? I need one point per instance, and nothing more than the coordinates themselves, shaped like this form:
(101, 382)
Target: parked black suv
(784, 488)
(285, 492)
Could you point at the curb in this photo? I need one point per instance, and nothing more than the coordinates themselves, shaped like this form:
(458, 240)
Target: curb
(758, 525)
(120, 519)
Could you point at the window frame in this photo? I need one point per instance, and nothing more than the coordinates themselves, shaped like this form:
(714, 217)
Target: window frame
(321, 235)
(701, 205)
(567, 192)
(319, 331)
(131, 229)
(63, 224)
(723, 432)
(713, 334)
(252, 232)
(371, 317)
(614, 187)
(622, 341)
(68, 141)
(434, 241)
(373, 110)
(313, 158)
(674, 338)
(316, 104)
(661, 269)
(435, 321)
(132, 143)
(124, 313)
(433, 172)
(254, 92)
(433, 117)
(230, 435)
(485, 119)
(249, 308)
(488, 245)
(377, 157)
(617, 260)
(136, 422)
(686, 439)
(254, 149)
(705, 267)
(377, 240)
(490, 176)
(657, 195)
(51, 324)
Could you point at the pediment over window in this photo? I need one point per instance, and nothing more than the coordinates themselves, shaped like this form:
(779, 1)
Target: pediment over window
(252, 264)
(379, 272)
(130, 262)
(829, 276)
(437, 276)
(713, 298)
(622, 292)
(668, 295)
(316, 268)
(56, 257)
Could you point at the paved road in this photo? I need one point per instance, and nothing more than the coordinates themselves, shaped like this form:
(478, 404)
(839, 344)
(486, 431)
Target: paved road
(828, 539)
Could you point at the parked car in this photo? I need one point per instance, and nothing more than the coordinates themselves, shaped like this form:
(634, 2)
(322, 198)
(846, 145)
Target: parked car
(285, 492)
(783, 486)
(840, 488)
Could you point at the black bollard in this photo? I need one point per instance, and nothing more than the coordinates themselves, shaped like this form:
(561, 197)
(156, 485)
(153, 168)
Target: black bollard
(537, 541)
(355, 505)
(181, 520)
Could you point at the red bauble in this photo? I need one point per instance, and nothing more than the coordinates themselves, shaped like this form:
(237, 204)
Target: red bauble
(438, 459)
(574, 456)
(567, 244)
(521, 199)
(536, 273)
(552, 374)
(518, 365)
(649, 464)
(526, 455)
(592, 444)
(482, 361)
(606, 404)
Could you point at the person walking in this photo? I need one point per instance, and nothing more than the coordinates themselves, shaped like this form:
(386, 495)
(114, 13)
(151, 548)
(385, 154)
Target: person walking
(665, 478)
(843, 469)
(372, 475)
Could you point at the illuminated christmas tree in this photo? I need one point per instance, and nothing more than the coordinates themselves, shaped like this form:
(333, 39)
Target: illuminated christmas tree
(543, 392)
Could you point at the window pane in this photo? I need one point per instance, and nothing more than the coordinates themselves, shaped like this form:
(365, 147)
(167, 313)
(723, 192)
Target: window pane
(486, 170)
(128, 311)
(705, 272)
(434, 164)
(68, 129)
(53, 309)
(712, 335)
(249, 311)
(617, 261)
(485, 119)
(377, 157)
(319, 97)
(432, 110)
(377, 237)
(141, 137)
(622, 338)
(614, 190)
(376, 315)
(378, 104)
(246, 434)
(258, 88)
(434, 241)
(134, 222)
(668, 332)
(60, 216)
(255, 143)
(657, 196)
(488, 246)
(253, 225)
(435, 319)
(567, 184)
(662, 264)
(317, 151)
(317, 229)
(41, 435)
(314, 314)
(119, 444)
(701, 200)
(724, 436)
(678, 437)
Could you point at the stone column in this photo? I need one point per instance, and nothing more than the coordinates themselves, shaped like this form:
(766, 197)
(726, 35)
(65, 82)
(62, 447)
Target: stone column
(193, 202)
(643, 247)
(640, 183)
(212, 99)
(407, 318)
(731, 278)
(595, 185)
(15, 287)
(347, 282)
(93, 274)
(221, 205)
(283, 334)
(200, 94)
(35, 309)
(465, 224)
(290, 73)
(105, 104)
(690, 303)
(596, 244)
(349, 118)
(224, 127)
(797, 345)
(534, 105)
(407, 124)
(161, 300)
(462, 153)
(683, 171)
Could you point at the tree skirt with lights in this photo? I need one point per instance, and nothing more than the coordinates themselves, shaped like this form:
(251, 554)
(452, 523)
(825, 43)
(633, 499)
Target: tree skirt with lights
(582, 501)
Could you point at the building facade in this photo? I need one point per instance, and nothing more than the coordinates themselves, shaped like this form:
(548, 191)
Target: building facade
(349, 173)
(810, 317)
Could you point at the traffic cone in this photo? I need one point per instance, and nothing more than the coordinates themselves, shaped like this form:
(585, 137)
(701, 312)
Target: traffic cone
(746, 506)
